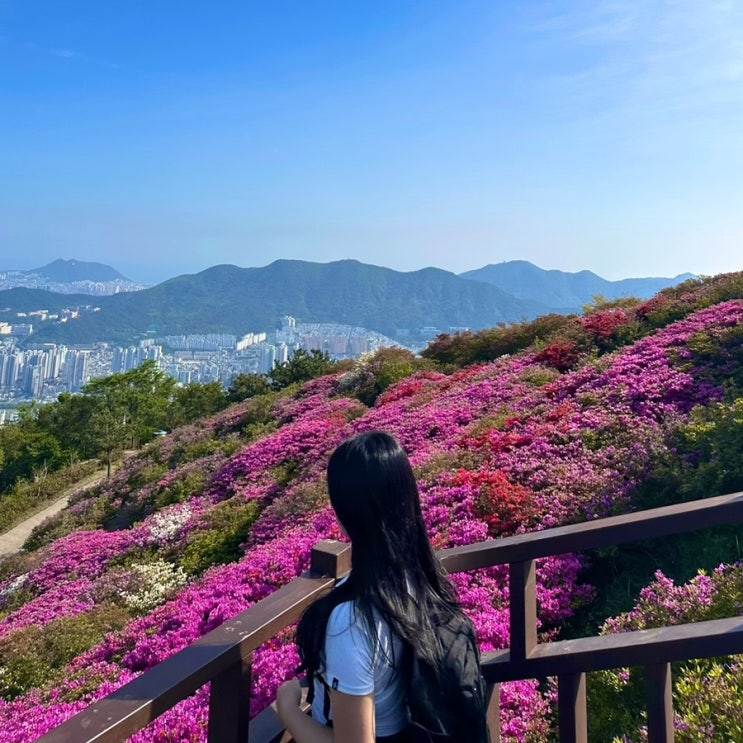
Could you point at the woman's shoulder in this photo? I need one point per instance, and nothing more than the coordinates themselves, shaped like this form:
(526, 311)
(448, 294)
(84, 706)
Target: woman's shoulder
(342, 618)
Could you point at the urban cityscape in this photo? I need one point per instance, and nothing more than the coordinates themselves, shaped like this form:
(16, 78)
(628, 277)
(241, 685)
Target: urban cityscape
(42, 372)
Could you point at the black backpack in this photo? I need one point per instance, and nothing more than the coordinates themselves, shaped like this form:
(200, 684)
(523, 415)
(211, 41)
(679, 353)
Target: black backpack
(448, 704)
(445, 705)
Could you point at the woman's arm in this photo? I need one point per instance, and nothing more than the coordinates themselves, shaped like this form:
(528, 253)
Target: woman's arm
(353, 717)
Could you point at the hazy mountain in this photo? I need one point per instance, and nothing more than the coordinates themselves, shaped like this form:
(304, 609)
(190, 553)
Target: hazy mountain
(66, 272)
(562, 291)
(70, 277)
(230, 299)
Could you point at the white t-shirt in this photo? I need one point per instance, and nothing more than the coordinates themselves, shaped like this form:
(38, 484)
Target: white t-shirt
(352, 666)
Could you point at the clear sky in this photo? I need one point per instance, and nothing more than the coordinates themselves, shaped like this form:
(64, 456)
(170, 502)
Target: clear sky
(164, 137)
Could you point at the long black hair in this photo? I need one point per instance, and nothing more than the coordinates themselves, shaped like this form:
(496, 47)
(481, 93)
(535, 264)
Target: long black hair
(395, 572)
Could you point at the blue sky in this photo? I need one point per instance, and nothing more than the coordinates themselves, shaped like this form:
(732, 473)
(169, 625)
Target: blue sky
(165, 137)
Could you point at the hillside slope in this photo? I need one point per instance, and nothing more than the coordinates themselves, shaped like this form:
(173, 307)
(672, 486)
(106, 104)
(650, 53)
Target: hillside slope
(212, 518)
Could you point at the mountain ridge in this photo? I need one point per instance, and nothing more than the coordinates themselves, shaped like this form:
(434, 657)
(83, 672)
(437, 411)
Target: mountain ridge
(227, 298)
(69, 270)
(562, 289)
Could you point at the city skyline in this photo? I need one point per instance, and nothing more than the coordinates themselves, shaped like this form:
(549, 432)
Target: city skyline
(165, 139)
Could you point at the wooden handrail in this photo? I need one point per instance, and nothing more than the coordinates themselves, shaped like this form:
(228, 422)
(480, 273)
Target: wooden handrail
(626, 649)
(657, 522)
(223, 656)
(136, 704)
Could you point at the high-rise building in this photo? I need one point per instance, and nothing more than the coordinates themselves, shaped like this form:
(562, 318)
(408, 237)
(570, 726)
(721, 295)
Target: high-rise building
(119, 359)
(76, 370)
(268, 358)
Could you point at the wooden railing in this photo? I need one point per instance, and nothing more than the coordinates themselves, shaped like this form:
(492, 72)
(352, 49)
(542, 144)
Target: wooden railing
(223, 657)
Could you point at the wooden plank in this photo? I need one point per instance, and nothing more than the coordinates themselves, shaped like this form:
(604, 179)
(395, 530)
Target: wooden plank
(571, 708)
(523, 602)
(641, 648)
(492, 699)
(229, 704)
(659, 701)
(136, 704)
(656, 522)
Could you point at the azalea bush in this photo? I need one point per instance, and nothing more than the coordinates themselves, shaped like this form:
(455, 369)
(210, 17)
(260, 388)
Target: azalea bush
(708, 693)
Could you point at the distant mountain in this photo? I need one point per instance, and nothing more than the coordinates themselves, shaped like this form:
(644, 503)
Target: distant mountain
(66, 272)
(237, 300)
(562, 291)
(70, 277)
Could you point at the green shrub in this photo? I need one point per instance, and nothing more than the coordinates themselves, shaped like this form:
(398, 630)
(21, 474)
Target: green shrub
(708, 693)
(708, 702)
(190, 451)
(179, 490)
(304, 498)
(34, 656)
(227, 526)
(147, 475)
(373, 373)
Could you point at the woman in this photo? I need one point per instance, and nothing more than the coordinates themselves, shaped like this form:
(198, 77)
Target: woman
(351, 642)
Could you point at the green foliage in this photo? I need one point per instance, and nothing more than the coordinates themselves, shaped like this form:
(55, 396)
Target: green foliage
(68, 421)
(194, 442)
(615, 704)
(256, 419)
(708, 693)
(29, 496)
(227, 526)
(445, 462)
(84, 681)
(286, 472)
(195, 401)
(179, 490)
(538, 377)
(245, 386)
(600, 302)
(710, 451)
(34, 656)
(302, 367)
(373, 374)
(303, 498)
(702, 459)
(27, 451)
(708, 701)
(130, 407)
(563, 341)
(462, 349)
(150, 473)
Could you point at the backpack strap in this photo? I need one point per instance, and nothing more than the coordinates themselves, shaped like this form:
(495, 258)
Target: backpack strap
(325, 693)
(324, 607)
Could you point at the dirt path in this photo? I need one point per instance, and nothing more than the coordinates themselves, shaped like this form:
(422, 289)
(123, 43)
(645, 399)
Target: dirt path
(12, 540)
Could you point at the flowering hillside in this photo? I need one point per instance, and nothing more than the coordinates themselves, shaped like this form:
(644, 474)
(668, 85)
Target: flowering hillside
(207, 521)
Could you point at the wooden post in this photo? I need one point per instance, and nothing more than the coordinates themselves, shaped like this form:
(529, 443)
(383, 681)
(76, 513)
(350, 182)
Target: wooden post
(229, 704)
(330, 558)
(523, 600)
(571, 706)
(659, 700)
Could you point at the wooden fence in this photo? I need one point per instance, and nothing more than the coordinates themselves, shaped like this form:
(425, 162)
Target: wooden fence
(223, 657)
